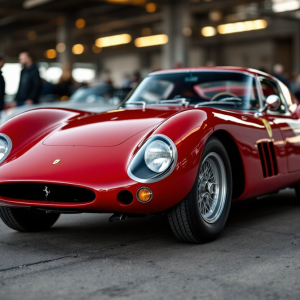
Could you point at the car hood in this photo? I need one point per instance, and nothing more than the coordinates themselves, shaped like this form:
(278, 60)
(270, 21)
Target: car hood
(107, 129)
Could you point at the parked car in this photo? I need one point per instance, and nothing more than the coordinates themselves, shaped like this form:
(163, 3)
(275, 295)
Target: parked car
(185, 144)
(94, 99)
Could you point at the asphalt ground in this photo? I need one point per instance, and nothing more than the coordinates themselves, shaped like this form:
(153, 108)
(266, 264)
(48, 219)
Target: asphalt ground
(86, 257)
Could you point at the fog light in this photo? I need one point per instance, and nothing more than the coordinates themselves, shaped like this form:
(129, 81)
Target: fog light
(144, 195)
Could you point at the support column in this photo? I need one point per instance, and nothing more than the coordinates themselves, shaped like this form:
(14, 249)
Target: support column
(5, 42)
(65, 36)
(296, 49)
(144, 63)
(176, 18)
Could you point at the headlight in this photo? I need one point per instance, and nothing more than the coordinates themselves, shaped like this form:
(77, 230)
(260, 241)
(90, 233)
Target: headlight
(5, 146)
(158, 156)
(155, 160)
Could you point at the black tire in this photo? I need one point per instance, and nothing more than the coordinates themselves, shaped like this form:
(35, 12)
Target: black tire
(297, 191)
(27, 220)
(185, 219)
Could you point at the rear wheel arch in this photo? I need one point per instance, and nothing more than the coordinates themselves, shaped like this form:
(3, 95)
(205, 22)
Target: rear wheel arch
(237, 166)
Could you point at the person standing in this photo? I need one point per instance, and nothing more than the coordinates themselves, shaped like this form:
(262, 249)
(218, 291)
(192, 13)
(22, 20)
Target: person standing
(278, 72)
(2, 83)
(30, 82)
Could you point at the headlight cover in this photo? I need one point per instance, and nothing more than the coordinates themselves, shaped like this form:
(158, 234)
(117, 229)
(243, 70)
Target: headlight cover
(5, 146)
(155, 160)
(158, 156)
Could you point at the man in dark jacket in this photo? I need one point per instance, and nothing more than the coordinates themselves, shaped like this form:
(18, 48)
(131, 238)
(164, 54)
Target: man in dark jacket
(2, 83)
(30, 81)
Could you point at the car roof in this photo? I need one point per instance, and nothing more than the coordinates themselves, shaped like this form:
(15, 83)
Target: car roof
(202, 69)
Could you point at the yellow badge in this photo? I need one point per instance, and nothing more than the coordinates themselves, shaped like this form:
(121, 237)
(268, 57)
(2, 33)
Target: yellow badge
(268, 127)
(56, 161)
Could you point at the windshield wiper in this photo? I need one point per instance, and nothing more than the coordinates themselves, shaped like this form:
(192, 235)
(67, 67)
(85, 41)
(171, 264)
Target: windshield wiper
(209, 103)
(184, 101)
(231, 99)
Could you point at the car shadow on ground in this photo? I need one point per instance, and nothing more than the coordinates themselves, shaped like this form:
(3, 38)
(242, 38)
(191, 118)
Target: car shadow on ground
(259, 208)
(93, 231)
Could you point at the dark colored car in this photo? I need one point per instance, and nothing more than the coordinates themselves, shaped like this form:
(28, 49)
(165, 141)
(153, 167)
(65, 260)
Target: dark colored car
(93, 99)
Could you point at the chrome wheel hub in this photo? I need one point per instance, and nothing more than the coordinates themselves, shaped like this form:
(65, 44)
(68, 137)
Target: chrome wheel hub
(212, 188)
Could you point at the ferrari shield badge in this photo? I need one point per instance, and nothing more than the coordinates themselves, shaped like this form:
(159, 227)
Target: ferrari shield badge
(268, 127)
(56, 161)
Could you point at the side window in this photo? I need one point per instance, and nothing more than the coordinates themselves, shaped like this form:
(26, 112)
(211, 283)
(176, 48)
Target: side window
(270, 87)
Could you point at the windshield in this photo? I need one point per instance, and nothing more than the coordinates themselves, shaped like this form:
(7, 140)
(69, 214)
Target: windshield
(199, 87)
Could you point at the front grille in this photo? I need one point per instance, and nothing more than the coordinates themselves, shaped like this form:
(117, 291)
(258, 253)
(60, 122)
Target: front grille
(46, 192)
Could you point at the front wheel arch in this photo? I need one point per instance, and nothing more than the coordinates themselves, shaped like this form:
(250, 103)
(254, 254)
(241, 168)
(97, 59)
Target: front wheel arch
(236, 162)
(186, 220)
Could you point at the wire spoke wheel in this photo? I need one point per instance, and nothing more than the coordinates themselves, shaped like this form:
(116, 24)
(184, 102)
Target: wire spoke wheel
(202, 214)
(212, 188)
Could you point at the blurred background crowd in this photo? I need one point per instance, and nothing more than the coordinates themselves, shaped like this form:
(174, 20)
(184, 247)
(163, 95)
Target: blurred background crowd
(101, 49)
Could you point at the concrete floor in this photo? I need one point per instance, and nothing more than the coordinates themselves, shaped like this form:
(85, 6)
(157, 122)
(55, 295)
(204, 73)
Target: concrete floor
(86, 257)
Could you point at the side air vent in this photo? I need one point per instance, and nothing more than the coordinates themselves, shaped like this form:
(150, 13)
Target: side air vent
(268, 158)
(46, 192)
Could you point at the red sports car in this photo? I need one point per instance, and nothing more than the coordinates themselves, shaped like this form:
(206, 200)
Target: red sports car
(185, 143)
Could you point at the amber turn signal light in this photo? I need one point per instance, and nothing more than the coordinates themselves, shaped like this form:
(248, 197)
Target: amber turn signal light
(144, 195)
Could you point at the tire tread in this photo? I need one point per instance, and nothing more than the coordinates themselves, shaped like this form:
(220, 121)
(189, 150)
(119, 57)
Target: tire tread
(11, 217)
(179, 216)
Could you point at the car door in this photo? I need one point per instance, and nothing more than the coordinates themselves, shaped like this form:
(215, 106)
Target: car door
(285, 119)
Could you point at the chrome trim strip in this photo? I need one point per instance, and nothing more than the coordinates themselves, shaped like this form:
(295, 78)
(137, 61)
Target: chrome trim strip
(260, 93)
(213, 103)
(167, 72)
(139, 102)
(183, 101)
(9, 146)
(168, 172)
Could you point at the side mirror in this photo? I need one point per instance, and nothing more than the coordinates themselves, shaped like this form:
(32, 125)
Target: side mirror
(273, 102)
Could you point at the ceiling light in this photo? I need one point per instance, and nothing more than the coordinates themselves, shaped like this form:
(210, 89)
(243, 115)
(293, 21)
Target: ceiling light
(152, 40)
(96, 49)
(146, 31)
(31, 35)
(208, 31)
(132, 2)
(215, 15)
(242, 26)
(60, 47)
(119, 1)
(80, 23)
(150, 7)
(50, 54)
(78, 49)
(114, 40)
(32, 3)
(285, 5)
(187, 31)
